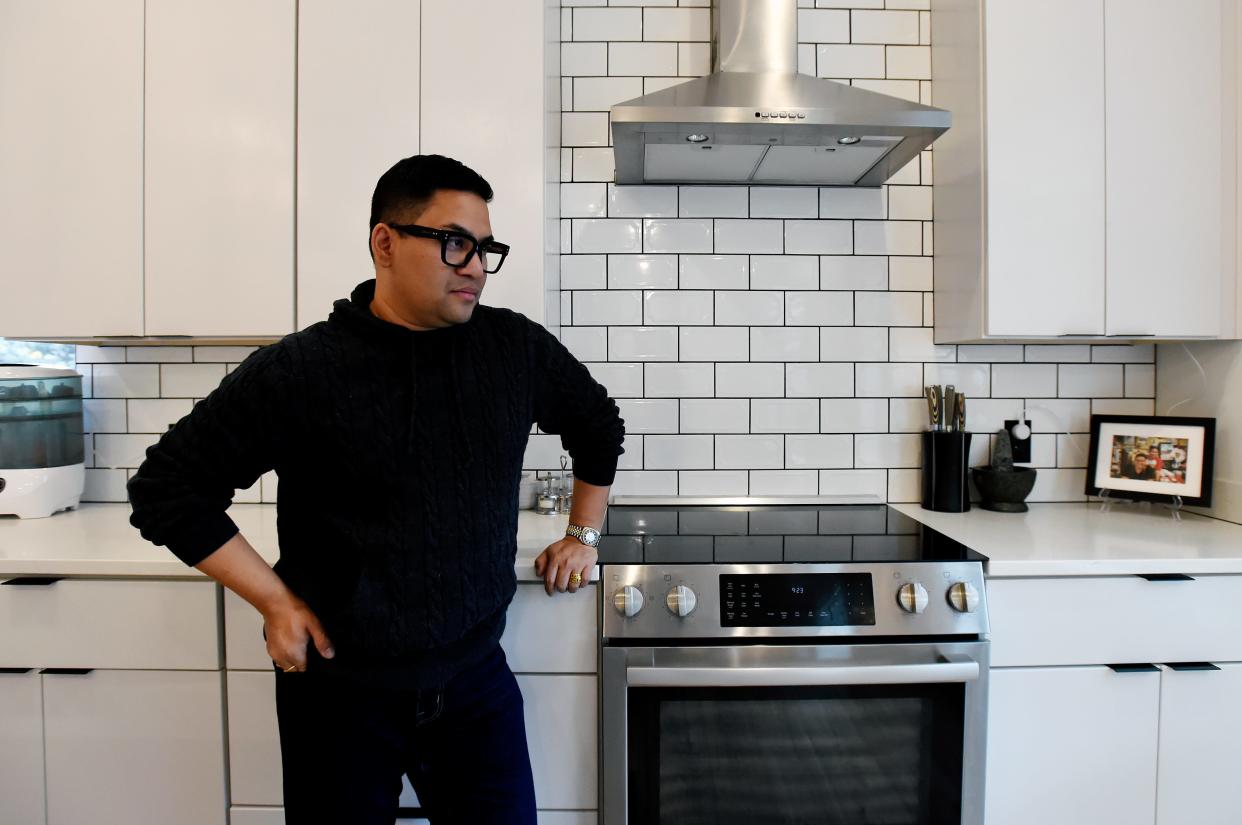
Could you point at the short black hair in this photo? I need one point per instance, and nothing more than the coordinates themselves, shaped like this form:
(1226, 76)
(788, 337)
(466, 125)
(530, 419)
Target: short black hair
(412, 181)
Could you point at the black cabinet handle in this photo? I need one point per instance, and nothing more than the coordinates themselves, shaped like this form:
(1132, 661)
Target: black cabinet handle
(67, 671)
(1166, 577)
(34, 581)
(1182, 666)
(15, 669)
(1136, 667)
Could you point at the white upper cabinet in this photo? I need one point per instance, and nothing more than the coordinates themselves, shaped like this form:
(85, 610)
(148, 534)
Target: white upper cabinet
(358, 105)
(70, 168)
(1086, 189)
(219, 167)
(490, 98)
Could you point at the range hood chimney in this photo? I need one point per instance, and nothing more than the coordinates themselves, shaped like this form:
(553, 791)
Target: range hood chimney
(756, 120)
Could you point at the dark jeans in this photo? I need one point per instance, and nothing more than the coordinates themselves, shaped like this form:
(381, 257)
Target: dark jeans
(345, 747)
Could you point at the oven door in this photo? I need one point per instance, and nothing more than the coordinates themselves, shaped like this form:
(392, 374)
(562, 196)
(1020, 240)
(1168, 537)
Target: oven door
(890, 734)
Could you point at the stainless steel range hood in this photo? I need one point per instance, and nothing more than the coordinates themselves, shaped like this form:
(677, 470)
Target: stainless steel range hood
(755, 119)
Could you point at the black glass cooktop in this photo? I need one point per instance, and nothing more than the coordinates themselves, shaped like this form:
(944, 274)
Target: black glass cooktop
(770, 534)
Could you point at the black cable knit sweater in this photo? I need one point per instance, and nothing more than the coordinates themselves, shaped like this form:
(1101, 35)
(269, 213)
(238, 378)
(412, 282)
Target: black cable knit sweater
(399, 455)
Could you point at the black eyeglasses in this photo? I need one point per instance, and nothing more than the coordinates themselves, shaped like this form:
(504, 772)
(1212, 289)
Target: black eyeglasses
(457, 248)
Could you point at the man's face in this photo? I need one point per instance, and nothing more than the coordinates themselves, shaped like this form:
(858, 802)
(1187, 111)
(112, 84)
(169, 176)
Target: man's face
(1140, 461)
(412, 279)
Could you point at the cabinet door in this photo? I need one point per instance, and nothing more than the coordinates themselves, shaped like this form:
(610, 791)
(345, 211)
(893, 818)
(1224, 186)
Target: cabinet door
(1071, 745)
(127, 746)
(535, 618)
(1200, 727)
(21, 748)
(358, 104)
(70, 167)
(254, 739)
(219, 167)
(561, 729)
(1167, 191)
(1045, 162)
(496, 113)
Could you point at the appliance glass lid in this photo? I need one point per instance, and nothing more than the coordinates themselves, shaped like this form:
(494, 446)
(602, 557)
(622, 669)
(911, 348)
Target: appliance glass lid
(765, 534)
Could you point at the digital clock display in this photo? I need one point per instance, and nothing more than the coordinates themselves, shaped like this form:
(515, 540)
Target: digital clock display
(796, 600)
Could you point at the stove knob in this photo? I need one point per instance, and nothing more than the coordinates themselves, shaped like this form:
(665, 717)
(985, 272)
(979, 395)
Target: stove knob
(912, 597)
(628, 601)
(681, 601)
(963, 597)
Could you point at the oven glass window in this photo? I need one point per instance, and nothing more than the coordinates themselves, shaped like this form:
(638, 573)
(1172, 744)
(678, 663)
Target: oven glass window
(875, 755)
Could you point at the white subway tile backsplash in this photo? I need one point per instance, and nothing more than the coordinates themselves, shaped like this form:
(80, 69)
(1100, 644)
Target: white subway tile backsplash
(854, 415)
(883, 309)
(973, 379)
(1091, 380)
(592, 164)
(608, 307)
(645, 483)
(819, 309)
(784, 344)
(910, 203)
(912, 274)
(888, 238)
(888, 380)
(584, 128)
(607, 24)
(642, 271)
(714, 272)
(712, 483)
(715, 343)
(823, 26)
(806, 58)
(853, 272)
(583, 200)
(783, 202)
(642, 344)
(916, 344)
(1123, 406)
(713, 202)
(783, 482)
(100, 355)
(623, 380)
(703, 415)
(677, 452)
(773, 415)
(1073, 450)
(989, 352)
(679, 381)
(841, 61)
(1135, 353)
(904, 485)
(584, 272)
(908, 62)
(694, 59)
(1057, 415)
(641, 201)
(784, 271)
(587, 343)
(754, 308)
(818, 237)
(584, 59)
(873, 450)
(189, 380)
(1059, 485)
(853, 344)
(677, 235)
(749, 236)
(1058, 353)
(1024, 380)
(648, 415)
(156, 415)
(1140, 380)
(598, 94)
(749, 380)
(677, 307)
(676, 24)
(987, 415)
(641, 59)
(607, 235)
(854, 483)
(819, 380)
(104, 415)
(907, 415)
(848, 203)
(105, 485)
(123, 451)
(750, 452)
(158, 355)
(890, 27)
(819, 451)
(125, 381)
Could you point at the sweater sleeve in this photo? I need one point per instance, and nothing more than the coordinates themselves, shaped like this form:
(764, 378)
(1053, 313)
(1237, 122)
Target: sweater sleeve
(181, 491)
(572, 404)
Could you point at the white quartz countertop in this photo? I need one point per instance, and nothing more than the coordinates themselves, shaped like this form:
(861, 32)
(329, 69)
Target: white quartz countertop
(98, 540)
(1084, 540)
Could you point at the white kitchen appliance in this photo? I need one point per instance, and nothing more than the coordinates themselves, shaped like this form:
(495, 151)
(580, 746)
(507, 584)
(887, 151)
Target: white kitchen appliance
(41, 440)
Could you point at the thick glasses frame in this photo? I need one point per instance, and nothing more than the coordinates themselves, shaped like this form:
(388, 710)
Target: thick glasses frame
(445, 235)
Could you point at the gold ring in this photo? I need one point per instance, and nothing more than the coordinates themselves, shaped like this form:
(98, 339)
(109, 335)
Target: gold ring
(291, 668)
(575, 578)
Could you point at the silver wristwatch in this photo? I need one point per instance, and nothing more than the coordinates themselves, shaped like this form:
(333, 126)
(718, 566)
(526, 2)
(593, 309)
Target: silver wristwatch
(587, 535)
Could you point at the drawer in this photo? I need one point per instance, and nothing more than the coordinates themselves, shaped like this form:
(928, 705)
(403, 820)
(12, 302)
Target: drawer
(110, 624)
(1113, 619)
(543, 634)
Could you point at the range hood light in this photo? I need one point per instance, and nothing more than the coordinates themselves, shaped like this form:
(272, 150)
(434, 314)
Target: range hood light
(848, 141)
(697, 138)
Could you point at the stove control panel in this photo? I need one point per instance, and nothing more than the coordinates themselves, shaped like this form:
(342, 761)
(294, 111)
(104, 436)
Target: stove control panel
(796, 600)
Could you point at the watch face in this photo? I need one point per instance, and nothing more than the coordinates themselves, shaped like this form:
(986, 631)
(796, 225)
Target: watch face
(590, 536)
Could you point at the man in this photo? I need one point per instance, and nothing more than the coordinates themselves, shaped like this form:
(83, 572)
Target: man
(397, 428)
(1142, 468)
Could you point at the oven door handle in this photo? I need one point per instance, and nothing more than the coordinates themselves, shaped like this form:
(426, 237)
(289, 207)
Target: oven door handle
(957, 669)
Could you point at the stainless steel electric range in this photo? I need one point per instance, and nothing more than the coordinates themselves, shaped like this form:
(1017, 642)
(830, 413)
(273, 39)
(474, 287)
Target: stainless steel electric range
(789, 661)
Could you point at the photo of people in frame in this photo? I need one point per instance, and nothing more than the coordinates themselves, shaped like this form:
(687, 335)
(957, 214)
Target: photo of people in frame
(1154, 458)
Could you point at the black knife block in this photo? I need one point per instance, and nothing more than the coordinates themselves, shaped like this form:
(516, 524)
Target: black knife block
(946, 458)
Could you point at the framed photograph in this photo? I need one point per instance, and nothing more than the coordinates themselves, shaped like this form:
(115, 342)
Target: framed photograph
(1152, 458)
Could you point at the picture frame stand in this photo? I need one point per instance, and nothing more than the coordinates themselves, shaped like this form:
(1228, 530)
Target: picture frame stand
(1107, 500)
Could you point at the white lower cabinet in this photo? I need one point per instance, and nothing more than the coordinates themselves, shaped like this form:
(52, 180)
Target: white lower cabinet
(1071, 745)
(21, 748)
(1200, 761)
(126, 746)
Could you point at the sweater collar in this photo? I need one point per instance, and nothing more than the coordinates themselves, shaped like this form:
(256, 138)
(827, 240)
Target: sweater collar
(355, 312)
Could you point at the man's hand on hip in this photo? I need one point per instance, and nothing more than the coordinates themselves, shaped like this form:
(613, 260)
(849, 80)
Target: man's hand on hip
(289, 625)
(560, 560)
